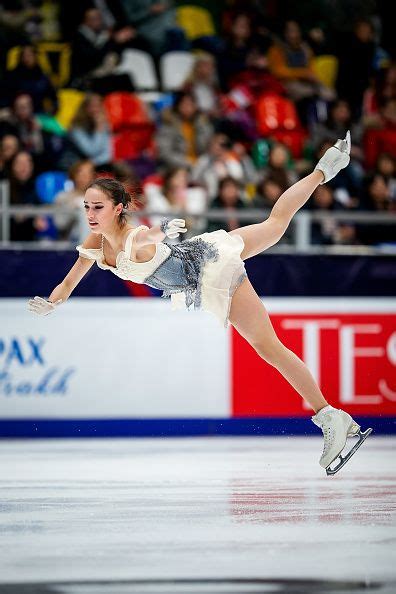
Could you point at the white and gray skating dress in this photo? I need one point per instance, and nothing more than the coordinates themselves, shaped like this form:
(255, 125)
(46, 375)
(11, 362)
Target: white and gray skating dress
(202, 272)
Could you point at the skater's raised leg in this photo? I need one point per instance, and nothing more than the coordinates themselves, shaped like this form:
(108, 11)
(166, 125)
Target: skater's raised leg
(261, 236)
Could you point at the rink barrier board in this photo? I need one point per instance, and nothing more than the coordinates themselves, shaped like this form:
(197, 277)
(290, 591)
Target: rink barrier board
(80, 428)
(28, 273)
(219, 400)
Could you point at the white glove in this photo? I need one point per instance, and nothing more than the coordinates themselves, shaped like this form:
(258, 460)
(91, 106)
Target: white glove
(41, 306)
(335, 158)
(173, 227)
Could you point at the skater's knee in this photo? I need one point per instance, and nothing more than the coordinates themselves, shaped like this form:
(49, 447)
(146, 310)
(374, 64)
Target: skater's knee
(269, 350)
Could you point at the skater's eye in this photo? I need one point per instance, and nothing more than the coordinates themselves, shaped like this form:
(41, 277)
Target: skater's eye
(96, 207)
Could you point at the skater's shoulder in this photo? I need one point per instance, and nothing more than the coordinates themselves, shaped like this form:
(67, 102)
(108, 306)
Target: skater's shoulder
(92, 242)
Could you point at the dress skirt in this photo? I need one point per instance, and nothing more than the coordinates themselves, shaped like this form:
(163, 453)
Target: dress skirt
(219, 276)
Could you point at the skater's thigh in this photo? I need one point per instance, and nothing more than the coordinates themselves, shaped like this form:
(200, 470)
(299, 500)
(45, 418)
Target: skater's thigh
(249, 316)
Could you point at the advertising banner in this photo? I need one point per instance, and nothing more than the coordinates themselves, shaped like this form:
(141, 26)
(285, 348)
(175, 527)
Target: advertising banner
(112, 358)
(349, 347)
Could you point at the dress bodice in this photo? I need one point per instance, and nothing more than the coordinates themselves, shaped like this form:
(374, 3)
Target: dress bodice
(126, 268)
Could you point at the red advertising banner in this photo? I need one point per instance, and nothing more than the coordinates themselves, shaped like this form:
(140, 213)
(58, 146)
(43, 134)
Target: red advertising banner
(352, 357)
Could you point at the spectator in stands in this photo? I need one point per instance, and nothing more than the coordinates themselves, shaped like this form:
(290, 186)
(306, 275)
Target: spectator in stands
(222, 161)
(386, 167)
(328, 231)
(203, 84)
(233, 56)
(155, 22)
(90, 131)
(28, 78)
(290, 60)
(268, 190)
(73, 226)
(177, 195)
(95, 47)
(339, 121)
(229, 200)
(256, 77)
(382, 89)
(377, 198)
(23, 123)
(280, 166)
(323, 232)
(9, 146)
(380, 135)
(22, 192)
(355, 65)
(184, 134)
(91, 45)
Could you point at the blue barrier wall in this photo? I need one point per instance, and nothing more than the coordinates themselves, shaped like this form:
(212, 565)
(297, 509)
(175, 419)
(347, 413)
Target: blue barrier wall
(28, 273)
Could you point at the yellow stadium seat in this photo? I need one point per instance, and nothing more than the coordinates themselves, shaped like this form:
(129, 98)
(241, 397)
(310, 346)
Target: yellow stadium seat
(326, 68)
(60, 74)
(69, 102)
(195, 21)
(61, 51)
(13, 55)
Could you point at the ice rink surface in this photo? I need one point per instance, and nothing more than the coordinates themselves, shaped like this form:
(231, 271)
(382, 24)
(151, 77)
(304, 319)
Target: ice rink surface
(205, 515)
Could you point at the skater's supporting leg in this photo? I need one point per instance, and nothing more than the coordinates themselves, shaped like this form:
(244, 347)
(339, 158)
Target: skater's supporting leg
(250, 318)
(263, 235)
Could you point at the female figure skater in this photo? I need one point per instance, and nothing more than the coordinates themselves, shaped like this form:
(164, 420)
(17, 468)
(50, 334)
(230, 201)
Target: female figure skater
(207, 271)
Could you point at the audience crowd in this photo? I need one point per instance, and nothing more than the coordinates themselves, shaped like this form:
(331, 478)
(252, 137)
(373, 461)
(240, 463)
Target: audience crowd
(252, 116)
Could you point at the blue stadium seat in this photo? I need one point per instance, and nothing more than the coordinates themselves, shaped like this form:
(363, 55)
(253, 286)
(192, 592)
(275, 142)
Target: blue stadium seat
(48, 185)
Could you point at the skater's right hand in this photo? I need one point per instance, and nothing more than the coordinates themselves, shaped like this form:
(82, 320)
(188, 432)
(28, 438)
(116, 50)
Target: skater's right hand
(172, 228)
(335, 158)
(41, 306)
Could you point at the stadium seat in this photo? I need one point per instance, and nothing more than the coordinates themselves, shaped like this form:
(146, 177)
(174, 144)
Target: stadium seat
(13, 55)
(130, 144)
(326, 68)
(46, 51)
(49, 183)
(69, 101)
(277, 118)
(125, 110)
(195, 21)
(174, 69)
(50, 53)
(140, 67)
(132, 127)
(274, 112)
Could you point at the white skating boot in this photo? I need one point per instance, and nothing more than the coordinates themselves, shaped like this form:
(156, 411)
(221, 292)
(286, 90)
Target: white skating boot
(335, 158)
(337, 426)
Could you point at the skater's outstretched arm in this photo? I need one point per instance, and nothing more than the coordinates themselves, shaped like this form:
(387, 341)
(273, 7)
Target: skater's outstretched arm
(62, 292)
(261, 236)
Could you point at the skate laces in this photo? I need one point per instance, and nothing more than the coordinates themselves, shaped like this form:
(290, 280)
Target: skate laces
(328, 432)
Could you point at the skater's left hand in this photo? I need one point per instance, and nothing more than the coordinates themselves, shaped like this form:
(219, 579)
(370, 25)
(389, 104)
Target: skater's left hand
(335, 158)
(173, 228)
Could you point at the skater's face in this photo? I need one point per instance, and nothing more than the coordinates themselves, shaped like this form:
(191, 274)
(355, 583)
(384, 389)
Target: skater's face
(102, 214)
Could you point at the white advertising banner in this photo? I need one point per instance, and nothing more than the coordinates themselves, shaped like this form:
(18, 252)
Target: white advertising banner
(112, 358)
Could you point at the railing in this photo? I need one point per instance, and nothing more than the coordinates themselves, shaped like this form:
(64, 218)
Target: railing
(301, 225)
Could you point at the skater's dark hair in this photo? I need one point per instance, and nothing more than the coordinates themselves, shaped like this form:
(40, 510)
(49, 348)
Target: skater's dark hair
(117, 193)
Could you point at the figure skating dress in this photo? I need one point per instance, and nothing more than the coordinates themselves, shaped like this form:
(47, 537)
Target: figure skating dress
(202, 272)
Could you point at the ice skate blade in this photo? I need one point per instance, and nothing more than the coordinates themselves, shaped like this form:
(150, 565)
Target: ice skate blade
(344, 459)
